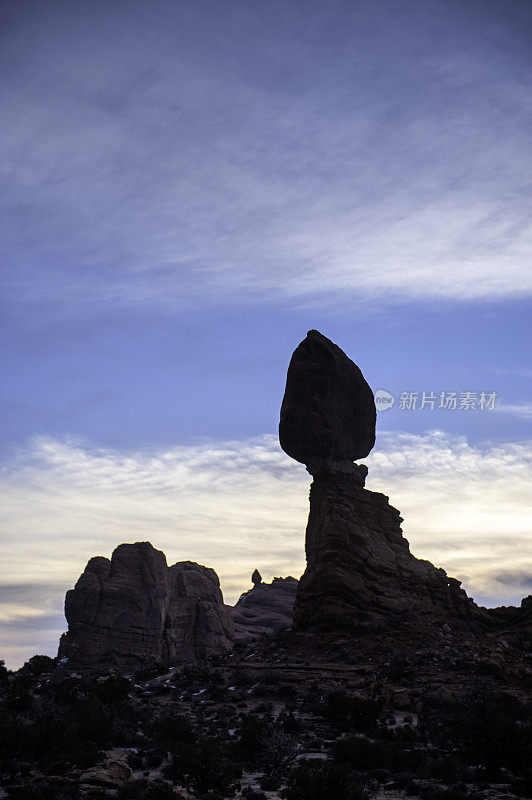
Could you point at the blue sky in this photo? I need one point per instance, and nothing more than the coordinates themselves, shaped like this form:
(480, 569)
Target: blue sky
(187, 188)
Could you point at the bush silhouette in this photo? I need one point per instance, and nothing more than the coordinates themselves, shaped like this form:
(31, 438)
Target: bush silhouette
(488, 728)
(350, 713)
(37, 665)
(169, 729)
(205, 765)
(323, 780)
(142, 789)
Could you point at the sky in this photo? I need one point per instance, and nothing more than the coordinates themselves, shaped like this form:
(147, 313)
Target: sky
(186, 188)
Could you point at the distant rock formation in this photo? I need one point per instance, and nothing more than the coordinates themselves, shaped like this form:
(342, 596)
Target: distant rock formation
(256, 577)
(266, 609)
(359, 566)
(134, 610)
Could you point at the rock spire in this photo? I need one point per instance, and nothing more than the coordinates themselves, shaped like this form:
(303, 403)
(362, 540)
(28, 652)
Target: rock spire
(359, 566)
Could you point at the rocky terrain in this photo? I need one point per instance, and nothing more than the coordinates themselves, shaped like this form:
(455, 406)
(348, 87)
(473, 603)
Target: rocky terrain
(375, 676)
(415, 712)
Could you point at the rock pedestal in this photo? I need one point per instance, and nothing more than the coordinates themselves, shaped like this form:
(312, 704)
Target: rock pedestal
(134, 610)
(359, 566)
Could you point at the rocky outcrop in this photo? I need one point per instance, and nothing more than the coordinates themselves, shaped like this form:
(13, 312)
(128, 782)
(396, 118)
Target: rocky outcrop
(359, 566)
(134, 610)
(266, 609)
(514, 623)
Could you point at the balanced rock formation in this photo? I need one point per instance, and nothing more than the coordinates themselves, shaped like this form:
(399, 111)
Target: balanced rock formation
(328, 413)
(266, 609)
(359, 566)
(134, 610)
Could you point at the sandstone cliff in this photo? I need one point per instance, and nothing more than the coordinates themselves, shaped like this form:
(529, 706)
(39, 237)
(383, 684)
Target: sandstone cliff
(135, 610)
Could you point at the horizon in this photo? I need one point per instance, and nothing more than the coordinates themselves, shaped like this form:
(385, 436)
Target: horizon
(188, 189)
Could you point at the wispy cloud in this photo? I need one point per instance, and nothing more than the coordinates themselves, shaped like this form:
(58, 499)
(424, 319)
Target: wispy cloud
(243, 504)
(244, 152)
(523, 410)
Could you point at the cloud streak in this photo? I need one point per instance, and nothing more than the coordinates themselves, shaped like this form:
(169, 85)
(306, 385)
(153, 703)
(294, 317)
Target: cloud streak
(243, 504)
(523, 410)
(242, 153)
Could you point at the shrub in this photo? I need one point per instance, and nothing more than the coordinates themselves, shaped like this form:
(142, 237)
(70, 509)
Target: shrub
(290, 723)
(399, 667)
(322, 780)
(170, 729)
(43, 791)
(4, 674)
(488, 728)
(114, 690)
(445, 769)
(18, 694)
(522, 787)
(361, 753)
(205, 765)
(350, 713)
(142, 789)
(66, 725)
(250, 741)
(287, 692)
(251, 794)
(280, 749)
(37, 665)
(47, 736)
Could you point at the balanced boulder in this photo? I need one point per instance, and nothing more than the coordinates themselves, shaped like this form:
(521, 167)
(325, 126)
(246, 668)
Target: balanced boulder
(328, 412)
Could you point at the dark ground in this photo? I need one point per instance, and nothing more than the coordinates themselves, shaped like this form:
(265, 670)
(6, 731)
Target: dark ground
(410, 711)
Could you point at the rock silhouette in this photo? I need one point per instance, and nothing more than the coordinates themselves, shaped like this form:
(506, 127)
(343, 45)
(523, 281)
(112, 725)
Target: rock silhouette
(359, 566)
(328, 412)
(266, 609)
(135, 610)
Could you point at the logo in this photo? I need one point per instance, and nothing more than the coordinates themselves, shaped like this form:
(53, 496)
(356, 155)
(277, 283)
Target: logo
(383, 400)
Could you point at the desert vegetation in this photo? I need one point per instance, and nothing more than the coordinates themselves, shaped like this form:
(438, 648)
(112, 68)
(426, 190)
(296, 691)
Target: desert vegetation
(220, 729)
